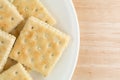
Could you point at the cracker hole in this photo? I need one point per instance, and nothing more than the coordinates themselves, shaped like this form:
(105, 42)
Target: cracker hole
(2, 42)
(18, 52)
(46, 21)
(36, 10)
(32, 27)
(12, 18)
(16, 72)
(52, 55)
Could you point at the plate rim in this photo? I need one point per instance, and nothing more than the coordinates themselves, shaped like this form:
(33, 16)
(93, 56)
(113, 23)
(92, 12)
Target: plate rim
(78, 36)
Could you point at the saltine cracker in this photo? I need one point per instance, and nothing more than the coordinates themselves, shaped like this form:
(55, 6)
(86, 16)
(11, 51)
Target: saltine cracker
(39, 46)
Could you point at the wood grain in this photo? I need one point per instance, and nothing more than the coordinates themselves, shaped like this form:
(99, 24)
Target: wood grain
(99, 57)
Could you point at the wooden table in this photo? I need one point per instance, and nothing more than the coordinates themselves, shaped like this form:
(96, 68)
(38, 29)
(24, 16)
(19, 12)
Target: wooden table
(99, 57)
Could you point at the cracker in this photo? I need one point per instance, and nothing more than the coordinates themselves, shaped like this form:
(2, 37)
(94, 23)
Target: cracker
(9, 16)
(32, 8)
(39, 46)
(16, 72)
(6, 43)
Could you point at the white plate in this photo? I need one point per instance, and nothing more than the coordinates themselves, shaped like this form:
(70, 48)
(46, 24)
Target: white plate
(64, 13)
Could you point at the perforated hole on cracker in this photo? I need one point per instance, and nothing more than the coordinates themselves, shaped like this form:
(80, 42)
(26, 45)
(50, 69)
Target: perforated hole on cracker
(12, 18)
(18, 52)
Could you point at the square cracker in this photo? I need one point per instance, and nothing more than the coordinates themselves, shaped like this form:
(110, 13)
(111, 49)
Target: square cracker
(16, 72)
(32, 8)
(9, 16)
(6, 43)
(39, 46)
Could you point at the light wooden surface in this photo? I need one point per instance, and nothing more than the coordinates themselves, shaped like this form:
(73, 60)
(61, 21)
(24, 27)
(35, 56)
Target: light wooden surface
(99, 57)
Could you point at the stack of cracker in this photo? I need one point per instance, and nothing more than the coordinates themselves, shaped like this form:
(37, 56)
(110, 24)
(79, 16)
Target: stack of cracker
(27, 37)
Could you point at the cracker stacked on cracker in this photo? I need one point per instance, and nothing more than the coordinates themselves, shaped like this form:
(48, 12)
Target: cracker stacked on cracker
(38, 45)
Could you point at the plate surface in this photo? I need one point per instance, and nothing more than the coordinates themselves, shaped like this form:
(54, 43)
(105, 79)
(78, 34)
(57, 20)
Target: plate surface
(65, 15)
